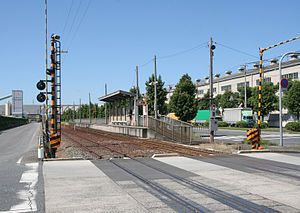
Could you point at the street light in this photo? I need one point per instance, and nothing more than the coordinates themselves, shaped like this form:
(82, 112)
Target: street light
(280, 96)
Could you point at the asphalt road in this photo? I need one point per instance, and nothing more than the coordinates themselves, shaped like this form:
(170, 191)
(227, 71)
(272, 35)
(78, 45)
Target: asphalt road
(235, 136)
(20, 183)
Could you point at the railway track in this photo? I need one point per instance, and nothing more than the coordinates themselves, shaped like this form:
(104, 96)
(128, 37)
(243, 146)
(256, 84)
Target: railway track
(223, 197)
(152, 144)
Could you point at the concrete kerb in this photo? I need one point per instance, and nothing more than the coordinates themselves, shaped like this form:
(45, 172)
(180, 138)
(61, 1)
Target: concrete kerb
(267, 150)
(65, 159)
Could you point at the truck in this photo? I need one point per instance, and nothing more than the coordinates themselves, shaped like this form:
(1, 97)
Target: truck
(234, 115)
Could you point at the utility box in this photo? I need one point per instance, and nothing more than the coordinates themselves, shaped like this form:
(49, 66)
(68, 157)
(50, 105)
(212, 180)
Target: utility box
(213, 125)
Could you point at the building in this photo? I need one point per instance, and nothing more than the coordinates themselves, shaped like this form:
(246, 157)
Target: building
(290, 69)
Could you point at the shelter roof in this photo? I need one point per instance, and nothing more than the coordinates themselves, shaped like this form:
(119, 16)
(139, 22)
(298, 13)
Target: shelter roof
(116, 96)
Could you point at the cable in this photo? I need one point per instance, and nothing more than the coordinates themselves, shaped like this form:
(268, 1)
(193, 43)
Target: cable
(240, 51)
(82, 17)
(184, 51)
(67, 18)
(75, 17)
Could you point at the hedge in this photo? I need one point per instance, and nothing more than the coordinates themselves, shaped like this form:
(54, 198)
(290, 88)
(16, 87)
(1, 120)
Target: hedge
(263, 125)
(293, 126)
(10, 122)
(241, 124)
(223, 124)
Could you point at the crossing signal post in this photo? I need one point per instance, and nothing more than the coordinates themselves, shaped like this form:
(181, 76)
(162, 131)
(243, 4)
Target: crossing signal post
(53, 135)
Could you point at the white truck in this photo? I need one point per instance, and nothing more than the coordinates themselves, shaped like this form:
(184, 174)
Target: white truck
(234, 115)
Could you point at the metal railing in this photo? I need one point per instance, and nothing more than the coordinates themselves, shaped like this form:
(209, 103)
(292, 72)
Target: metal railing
(170, 129)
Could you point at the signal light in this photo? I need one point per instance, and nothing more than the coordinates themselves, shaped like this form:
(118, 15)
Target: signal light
(213, 47)
(41, 85)
(41, 97)
(50, 71)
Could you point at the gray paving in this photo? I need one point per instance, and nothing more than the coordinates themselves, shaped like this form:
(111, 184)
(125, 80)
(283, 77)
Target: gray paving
(103, 186)
(20, 188)
(236, 136)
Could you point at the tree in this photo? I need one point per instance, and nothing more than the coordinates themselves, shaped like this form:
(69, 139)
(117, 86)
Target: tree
(203, 103)
(183, 101)
(241, 99)
(161, 95)
(229, 100)
(269, 101)
(291, 99)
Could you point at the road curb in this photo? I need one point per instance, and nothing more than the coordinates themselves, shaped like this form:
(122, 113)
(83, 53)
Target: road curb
(64, 159)
(267, 150)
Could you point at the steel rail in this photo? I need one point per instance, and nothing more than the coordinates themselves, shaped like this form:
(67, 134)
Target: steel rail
(219, 196)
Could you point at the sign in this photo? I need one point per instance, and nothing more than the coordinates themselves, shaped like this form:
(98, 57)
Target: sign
(284, 83)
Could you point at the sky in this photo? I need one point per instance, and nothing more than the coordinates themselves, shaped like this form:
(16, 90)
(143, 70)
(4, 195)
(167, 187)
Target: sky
(107, 39)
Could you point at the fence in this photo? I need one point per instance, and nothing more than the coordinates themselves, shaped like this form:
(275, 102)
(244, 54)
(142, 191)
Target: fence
(170, 129)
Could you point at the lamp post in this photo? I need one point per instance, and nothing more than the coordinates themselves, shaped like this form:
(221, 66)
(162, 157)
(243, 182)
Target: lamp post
(280, 96)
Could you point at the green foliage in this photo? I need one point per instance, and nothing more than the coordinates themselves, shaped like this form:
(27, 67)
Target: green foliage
(269, 98)
(83, 112)
(203, 103)
(263, 125)
(206, 124)
(241, 124)
(222, 124)
(161, 95)
(10, 122)
(291, 100)
(229, 100)
(241, 98)
(183, 101)
(293, 126)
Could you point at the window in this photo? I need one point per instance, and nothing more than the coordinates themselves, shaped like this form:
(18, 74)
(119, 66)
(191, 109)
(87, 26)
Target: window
(265, 80)
(291, 75)
(242, 84)
(215, 89)
(200, 92)
(227, 87)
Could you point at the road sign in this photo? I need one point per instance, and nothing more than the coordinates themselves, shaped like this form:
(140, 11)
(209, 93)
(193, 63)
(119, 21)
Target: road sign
(284, 83)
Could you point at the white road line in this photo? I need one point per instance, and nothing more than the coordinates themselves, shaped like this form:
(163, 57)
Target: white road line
(20, 160)
(27, 195)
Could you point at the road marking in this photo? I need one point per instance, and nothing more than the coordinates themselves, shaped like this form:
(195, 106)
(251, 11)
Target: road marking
(20, 160)
(27, 195)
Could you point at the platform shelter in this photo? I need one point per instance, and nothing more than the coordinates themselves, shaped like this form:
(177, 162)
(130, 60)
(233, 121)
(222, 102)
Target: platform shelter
(121, 107)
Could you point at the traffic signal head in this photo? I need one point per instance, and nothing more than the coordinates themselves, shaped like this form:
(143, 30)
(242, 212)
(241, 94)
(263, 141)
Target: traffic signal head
(41, 85)
(41, 97)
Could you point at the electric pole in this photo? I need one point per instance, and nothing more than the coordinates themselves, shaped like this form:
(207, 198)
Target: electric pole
(155, 89)
(105, 111)
(80, 110)
(211, 90)
(137, 81)
(245, 88)
(90, 108)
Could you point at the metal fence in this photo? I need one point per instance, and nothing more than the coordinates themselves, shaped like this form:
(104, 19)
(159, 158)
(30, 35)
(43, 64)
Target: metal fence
(170, 129)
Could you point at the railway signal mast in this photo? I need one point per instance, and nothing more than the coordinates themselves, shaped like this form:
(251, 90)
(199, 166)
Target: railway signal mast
(52, 137)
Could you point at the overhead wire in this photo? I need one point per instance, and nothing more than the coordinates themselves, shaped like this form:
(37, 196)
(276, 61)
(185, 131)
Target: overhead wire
(80, 22)
(205, 44)
(240, 51)
(75, 18)
(65, 25)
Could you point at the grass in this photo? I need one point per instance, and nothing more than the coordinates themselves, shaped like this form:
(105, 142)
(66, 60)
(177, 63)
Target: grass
(267, 130)
(263, 142)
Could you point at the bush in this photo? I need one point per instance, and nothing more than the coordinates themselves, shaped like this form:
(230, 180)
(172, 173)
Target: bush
(263, 125)
(242, 124)
(10, 122)
(223, 124)
(206, 124)
(293, 126)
